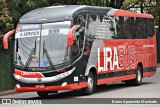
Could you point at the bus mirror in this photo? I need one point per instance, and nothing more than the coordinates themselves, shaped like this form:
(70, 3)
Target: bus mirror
(5, 38)
(71, 35)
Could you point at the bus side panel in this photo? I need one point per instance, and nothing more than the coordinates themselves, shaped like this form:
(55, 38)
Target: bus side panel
(129, 53)
(117, 61)
(93, 58)
(145, 54)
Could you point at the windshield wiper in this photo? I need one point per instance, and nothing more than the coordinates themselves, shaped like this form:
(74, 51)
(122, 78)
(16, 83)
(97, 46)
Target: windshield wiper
(20, 60)
(33, 52)
(47, 56)
(19, 57)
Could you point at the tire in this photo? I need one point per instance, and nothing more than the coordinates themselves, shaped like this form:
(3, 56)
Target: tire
(138, 80)
(91, 85)
(43, 94)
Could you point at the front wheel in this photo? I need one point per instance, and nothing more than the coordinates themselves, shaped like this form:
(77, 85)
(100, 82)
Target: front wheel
(91, 85)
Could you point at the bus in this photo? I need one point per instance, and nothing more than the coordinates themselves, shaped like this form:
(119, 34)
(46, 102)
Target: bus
(77, 47)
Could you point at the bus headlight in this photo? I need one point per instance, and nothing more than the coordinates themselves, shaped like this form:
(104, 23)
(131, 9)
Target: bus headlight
(64, 84)
(18, 86)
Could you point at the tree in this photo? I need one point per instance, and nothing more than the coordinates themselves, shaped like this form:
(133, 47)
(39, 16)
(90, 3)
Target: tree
(116, 3)
(148, 6)
(20, 7)
(157, 13)
(5, 19)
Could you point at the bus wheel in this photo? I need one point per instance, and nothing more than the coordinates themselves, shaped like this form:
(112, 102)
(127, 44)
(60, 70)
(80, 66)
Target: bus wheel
(138, 80)
(43, 94)
(91, 85)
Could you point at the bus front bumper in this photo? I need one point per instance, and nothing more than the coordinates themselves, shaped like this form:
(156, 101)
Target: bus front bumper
(63, 81)
(42, 87)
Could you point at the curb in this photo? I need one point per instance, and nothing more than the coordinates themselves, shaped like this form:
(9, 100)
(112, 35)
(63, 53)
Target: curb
(3, 93)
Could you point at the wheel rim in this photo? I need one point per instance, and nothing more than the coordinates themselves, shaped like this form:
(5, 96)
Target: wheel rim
(90, 83)
(139, 75)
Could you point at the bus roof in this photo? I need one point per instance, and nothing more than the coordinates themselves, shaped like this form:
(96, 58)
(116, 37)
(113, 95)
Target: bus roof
(57, 13)
(66, 12)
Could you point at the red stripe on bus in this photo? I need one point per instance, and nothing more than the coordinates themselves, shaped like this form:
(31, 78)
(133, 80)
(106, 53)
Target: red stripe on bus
(116, 79)
(131, 14)
(146, 74)
(28, 74)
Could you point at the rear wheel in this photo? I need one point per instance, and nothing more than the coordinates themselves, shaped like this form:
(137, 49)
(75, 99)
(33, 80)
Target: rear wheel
(43, 94)
(138, 80)
(91, 85)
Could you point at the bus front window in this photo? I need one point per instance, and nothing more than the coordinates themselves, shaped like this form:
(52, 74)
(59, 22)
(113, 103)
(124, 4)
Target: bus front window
(44, 46)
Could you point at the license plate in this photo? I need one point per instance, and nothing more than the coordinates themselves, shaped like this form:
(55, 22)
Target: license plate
(40, 86)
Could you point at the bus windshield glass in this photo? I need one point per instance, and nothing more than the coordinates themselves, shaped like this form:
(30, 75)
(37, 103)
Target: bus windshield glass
(41, 45)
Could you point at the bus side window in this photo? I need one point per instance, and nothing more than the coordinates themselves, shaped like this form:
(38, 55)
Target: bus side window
(127, 27)
(77, 47)
(150, 27)
(92, 26)
(133, 30)
(94, 22)
(120, 27)
(110, 32)
(130, 28)
(145, 34)
(138, 27)
(105, 29)
(141, 31)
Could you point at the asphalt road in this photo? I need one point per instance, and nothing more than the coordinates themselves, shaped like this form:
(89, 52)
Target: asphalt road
(149, 89)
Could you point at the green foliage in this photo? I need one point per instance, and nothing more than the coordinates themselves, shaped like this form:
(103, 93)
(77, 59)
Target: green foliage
(150, 9)
(156, 12)
(20, 7)
(6, 23)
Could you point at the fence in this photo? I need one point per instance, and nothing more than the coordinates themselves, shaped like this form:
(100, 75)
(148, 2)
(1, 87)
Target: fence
(158, 47)
(6, 68)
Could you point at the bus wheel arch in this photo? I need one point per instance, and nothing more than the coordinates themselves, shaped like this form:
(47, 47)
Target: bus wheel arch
(92, 77)
(94, 72)
(139, 74)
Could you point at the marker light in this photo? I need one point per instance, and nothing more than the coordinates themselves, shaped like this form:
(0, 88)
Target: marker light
(64, 84)
(18, 86)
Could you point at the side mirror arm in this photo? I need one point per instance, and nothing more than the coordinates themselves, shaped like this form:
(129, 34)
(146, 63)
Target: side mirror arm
(5, 38)
(71, 35)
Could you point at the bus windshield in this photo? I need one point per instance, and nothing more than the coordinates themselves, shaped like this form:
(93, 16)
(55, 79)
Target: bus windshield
(41, 45)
